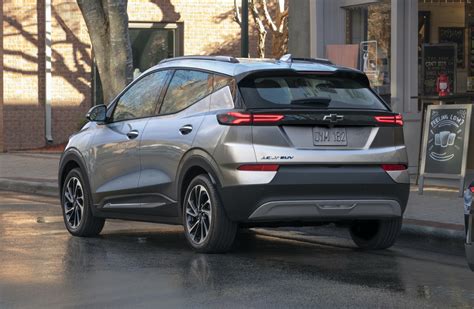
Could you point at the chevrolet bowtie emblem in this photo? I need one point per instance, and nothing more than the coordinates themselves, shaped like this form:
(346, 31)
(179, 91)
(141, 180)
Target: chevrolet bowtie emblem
(333, 118)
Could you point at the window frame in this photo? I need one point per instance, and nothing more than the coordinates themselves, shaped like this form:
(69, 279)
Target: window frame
(113, 105)
(174, 69)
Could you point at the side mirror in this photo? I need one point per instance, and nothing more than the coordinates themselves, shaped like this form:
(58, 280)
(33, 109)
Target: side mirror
(97, 113)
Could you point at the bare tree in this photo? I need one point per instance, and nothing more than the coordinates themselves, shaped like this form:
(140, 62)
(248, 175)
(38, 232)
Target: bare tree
(107, 23)
(277, 24)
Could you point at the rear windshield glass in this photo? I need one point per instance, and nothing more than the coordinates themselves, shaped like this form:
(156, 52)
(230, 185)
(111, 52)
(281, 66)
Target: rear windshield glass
(308, 91)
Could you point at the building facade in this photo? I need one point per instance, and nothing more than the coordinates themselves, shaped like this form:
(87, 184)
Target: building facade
(385, 38)
(31, 99)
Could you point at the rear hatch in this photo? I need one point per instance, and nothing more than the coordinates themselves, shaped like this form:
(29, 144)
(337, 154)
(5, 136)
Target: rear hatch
(320, 117)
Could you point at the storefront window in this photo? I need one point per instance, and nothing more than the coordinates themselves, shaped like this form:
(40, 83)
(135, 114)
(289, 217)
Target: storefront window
(369, 27)
(150, 45)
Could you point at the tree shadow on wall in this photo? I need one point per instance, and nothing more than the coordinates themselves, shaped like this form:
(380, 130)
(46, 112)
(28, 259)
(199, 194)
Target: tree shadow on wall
(76, 72)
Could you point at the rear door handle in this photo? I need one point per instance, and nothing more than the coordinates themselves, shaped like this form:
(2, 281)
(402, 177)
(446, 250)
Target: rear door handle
(132, 134)
(186, 129)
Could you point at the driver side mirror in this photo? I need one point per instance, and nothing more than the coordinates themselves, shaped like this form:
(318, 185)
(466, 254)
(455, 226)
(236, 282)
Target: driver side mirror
(97, 113)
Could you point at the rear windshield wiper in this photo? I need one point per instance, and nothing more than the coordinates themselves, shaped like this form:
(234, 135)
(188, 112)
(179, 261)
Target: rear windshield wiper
(312, 101)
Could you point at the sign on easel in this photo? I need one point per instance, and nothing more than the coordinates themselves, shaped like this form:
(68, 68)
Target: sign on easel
(445, 143)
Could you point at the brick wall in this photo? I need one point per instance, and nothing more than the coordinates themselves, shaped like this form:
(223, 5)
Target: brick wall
(1, 79)
(23, 111)
(207, 27)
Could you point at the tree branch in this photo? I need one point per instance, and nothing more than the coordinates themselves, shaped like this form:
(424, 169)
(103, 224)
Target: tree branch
(268, 17)
(237, 16)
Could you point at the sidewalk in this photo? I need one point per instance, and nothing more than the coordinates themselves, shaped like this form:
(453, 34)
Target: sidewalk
(436, 214)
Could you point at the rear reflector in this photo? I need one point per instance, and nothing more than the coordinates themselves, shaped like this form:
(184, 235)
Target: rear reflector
(397, 119)
(259, 167)
(394, 167)
(237, 118)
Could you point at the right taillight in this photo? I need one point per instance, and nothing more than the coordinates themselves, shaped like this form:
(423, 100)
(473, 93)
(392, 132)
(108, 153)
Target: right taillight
(239, 118)
(395, 119)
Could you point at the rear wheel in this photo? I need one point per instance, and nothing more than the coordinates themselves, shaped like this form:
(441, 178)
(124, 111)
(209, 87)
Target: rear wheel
(76, 206)
(206, 226)
(375, 234)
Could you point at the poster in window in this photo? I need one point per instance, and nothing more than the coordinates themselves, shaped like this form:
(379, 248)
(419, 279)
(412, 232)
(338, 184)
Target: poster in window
(454, 35)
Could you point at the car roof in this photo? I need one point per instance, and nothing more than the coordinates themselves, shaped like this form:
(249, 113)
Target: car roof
(243, 66)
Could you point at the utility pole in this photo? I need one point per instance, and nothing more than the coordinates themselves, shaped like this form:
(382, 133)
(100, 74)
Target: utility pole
(244, 37)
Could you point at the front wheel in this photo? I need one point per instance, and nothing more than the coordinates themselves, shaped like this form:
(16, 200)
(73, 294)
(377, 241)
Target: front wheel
(76, 206)
(206, 226)
(376, 234)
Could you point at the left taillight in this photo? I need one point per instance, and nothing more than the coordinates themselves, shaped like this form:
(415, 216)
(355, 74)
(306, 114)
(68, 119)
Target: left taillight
(395, 119)
(238, 118)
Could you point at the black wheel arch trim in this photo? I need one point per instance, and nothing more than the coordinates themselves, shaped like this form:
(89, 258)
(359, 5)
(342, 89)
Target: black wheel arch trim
(197, 158)
(73, 155)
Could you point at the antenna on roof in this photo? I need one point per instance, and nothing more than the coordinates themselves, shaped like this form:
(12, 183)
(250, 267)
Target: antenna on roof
(287, 58)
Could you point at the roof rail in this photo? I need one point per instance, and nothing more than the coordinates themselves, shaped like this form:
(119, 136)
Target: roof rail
(209, 58)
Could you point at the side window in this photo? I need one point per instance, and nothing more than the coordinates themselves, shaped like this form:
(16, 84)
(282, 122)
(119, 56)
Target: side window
(185, 89)
(140, 100)
(221, 81)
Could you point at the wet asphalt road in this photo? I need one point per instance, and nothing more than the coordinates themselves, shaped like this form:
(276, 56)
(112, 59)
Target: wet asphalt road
(150, 265)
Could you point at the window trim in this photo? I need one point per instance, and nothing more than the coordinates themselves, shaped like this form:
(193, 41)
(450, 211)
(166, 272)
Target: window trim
(113, 105)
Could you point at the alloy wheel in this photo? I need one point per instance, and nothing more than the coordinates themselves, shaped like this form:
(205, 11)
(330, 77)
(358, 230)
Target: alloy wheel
(73, 202)
(198, 214)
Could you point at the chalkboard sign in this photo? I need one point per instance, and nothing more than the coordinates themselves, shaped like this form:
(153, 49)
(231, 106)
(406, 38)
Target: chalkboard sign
(454, 35)
(436, 59)
(445, 142)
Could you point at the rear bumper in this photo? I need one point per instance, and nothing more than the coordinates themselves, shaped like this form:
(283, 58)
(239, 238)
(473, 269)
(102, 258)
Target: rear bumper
(318, 193)
(308, 209)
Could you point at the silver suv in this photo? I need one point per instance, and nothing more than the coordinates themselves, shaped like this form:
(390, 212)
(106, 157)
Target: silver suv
(214, 143)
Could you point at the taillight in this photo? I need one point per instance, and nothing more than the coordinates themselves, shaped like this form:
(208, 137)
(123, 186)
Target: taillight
(396, 119)
(237, 118)
(394, 167)
(259, 167)
(472, 189)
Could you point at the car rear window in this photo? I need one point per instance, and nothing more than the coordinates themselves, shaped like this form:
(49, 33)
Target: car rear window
(308, 91)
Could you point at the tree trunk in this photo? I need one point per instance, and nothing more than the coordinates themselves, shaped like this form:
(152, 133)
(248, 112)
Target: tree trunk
(107, 24)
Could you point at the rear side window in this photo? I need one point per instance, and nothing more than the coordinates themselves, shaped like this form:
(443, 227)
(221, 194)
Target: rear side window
(307, 91)
(221, 81)
(186, 88)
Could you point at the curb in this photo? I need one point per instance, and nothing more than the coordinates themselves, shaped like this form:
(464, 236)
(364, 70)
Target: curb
(34, 187)
(419, 232)
(422, 232)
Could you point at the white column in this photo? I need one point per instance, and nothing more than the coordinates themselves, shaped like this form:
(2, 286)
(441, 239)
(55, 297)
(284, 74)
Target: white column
(48, 68)
(404, 72)
(316, 30)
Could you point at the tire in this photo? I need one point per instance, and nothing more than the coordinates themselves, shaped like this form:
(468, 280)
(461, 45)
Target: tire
(221, 231)
(376, 234)
(79, 221)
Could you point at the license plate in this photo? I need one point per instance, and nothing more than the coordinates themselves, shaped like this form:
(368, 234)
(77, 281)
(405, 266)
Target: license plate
(329, 136)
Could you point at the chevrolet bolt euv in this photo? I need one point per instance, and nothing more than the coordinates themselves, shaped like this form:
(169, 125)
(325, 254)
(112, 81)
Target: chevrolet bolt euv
(217, 143)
